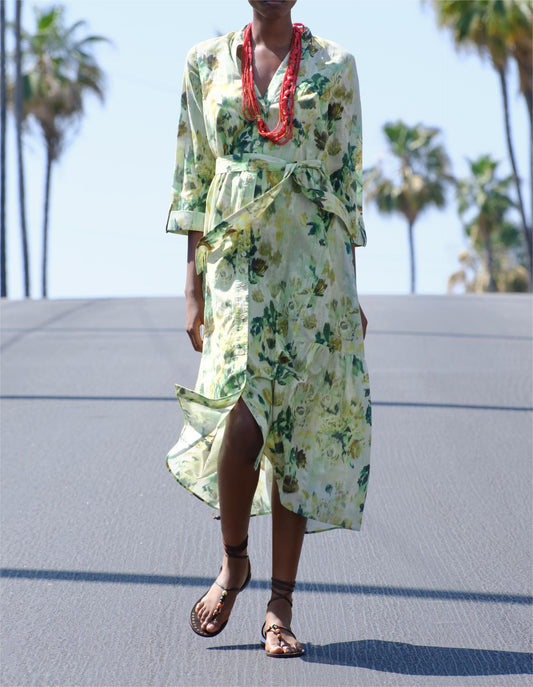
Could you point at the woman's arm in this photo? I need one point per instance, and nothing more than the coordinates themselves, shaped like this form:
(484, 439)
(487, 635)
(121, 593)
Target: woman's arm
(364, 321)
(194, 298)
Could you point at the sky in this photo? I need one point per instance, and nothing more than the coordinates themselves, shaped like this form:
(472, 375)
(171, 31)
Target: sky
(111, 187)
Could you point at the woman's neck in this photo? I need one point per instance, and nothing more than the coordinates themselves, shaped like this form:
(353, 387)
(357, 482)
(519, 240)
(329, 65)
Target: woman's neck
(272, 33)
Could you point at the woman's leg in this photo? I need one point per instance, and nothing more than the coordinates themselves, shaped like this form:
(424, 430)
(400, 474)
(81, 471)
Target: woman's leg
(288, 530)
(237, 481)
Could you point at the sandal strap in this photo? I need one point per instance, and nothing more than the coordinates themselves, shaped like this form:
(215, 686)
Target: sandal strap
(277, 629)
(237, 551)
(220, 604)
(225, 590)
(281, 591)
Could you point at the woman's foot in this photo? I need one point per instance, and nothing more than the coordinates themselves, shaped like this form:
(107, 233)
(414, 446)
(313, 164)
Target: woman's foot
(278, 640)
(232, 577)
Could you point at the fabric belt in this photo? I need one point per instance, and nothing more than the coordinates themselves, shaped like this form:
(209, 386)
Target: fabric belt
(254, 162)
(317, 188)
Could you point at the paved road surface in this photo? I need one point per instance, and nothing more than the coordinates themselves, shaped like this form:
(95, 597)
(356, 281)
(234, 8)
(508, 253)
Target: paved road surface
(104, 553)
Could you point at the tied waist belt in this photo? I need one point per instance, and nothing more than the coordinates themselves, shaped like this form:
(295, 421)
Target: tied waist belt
(316, 187)
(253, 163)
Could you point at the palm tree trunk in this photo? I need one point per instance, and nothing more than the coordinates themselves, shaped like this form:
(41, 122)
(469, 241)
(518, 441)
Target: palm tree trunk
(528, 96)
(530, 111)
(3, 106)
(412, 256)
(18, 120)
(525, 228)
(490, 263)
(48, 179)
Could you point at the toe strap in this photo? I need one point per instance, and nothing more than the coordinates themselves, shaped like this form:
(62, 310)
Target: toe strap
(277, 630)
(220, 604)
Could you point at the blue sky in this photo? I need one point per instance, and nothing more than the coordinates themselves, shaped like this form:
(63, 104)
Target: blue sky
(111, 188)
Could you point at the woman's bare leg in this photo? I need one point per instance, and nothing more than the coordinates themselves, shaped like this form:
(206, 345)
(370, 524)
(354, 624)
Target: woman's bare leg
(237, 482)
(288, 530)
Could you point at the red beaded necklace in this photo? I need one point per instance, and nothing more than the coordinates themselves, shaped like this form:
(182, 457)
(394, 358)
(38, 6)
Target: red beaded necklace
(282, 133)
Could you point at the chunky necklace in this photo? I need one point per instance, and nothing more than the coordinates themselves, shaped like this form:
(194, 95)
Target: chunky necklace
(282, 133)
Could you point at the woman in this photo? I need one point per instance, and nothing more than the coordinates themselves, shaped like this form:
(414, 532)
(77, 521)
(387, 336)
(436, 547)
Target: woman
(267, 186)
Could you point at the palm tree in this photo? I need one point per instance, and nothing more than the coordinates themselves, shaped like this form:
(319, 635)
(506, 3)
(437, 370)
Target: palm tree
(484, 204)
(19, 116)
(61, 71)
(419, 181)
(473, 275)
(3, 105)
(499, 30)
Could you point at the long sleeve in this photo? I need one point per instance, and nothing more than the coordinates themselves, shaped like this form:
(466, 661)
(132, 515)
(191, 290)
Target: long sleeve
(347, 180)
(195, 163)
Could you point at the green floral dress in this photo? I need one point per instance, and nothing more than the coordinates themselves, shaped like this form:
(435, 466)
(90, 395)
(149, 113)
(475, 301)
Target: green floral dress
(282, 320)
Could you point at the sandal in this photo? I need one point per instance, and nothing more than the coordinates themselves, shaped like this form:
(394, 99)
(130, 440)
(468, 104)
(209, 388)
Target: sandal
(195, 622)
(280, 590)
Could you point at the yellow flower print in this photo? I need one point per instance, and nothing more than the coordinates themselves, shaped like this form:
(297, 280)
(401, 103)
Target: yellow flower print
(320, 287)
(310, 321)
(290, 484)
(334, 147)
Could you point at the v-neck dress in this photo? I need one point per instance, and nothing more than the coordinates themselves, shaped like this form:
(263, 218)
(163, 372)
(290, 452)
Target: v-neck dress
(282, 321)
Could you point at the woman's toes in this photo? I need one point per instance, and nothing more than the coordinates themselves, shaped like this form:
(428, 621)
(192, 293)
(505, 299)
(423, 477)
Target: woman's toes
(276, 649)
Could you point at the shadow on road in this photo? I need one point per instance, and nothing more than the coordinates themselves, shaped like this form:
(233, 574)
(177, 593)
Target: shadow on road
(410, 659)
(315, 587)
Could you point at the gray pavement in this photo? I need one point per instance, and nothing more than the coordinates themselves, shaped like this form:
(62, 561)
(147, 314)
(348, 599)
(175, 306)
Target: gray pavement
(104, 554)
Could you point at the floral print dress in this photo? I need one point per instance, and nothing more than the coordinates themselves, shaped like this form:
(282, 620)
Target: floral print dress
(282, 321)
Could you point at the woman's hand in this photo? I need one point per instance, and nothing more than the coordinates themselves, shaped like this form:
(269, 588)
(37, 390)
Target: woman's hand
(194, 298)
(194, 318)
(364, 322)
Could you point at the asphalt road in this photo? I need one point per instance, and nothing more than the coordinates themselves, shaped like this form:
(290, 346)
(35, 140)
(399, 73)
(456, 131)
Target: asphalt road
(104, 554)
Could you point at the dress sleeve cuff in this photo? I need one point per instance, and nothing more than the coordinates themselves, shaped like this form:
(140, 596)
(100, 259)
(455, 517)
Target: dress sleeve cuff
(358, 234)
(184, 221)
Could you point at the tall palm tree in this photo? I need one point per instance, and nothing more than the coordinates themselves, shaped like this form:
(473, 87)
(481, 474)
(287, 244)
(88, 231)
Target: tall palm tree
(498, 30)
(484, 203)
(61, 71)
(19, 116)
(3, 105)
(419, 181)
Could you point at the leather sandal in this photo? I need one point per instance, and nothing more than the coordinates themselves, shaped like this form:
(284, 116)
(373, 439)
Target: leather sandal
(280, 591)
(195, 622)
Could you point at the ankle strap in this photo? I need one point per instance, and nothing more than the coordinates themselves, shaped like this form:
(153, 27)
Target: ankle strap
(236, 551)
(281, 591)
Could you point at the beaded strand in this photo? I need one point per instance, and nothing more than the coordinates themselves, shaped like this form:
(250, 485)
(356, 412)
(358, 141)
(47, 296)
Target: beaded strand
(282, 132)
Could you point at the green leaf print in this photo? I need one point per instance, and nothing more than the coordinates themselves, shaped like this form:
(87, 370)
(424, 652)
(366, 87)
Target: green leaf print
(363, 477)
(321, 138)
(337, 179)
(324, 336)
(317, 84)
(284, 424)
(283, 375)
(348, 157)
(267, 321)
